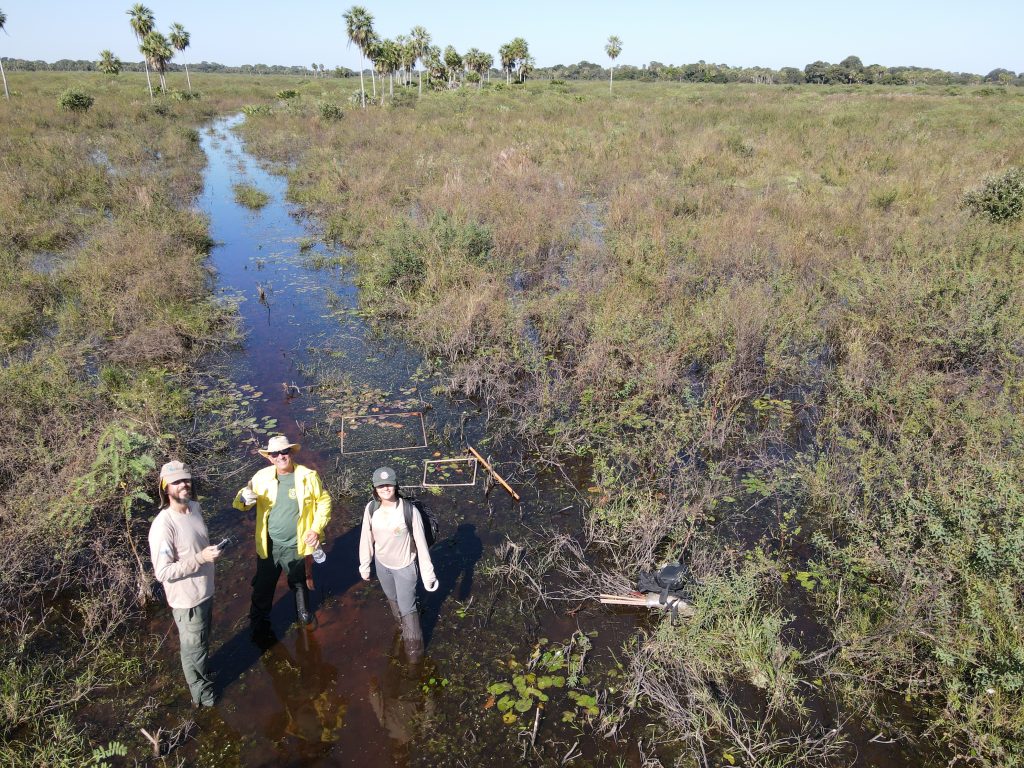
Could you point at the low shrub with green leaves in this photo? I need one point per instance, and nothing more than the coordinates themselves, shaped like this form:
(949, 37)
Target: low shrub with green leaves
(73, 100)
(329, 111)
(1001, 198)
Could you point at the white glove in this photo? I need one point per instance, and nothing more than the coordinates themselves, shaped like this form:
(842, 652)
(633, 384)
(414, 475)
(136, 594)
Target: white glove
(248, 496)
(432, 586)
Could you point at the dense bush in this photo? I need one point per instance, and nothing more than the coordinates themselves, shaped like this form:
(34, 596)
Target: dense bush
(288, 93)
(329, 111)
(73, 100)
(1001, 198)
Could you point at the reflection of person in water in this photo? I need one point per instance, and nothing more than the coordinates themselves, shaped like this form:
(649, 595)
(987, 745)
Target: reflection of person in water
(399, 703)
(393, 539)
(305, 686)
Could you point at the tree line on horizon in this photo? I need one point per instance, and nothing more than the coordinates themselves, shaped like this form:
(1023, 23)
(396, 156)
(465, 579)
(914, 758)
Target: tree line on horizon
(822, 73)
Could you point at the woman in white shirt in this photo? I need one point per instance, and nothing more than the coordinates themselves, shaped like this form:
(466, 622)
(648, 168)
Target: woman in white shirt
(400, 555)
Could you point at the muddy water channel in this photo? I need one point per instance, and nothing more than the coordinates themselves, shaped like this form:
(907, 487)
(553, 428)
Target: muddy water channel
(340, 694)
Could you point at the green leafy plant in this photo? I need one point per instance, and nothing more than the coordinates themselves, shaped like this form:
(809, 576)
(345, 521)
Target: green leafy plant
(73, 100)
(1001, 198)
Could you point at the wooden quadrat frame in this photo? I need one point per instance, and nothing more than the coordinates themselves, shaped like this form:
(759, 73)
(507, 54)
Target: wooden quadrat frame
(454, 460)
(368, 416)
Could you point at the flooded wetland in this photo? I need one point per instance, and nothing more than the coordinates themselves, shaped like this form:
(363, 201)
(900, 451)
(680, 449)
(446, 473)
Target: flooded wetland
(771, 332)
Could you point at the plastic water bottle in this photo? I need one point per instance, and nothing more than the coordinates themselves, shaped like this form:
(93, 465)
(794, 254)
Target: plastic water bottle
(319, 556)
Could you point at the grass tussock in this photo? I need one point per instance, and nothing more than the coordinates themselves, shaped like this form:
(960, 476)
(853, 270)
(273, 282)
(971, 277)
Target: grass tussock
(250, 196)
(770, 307)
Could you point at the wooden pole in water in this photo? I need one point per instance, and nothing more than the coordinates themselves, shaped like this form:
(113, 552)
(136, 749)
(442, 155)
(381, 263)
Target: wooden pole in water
(490, 469)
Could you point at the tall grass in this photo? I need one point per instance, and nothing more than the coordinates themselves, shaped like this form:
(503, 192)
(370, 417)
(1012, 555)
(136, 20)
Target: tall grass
(105, 304)
(770, 306)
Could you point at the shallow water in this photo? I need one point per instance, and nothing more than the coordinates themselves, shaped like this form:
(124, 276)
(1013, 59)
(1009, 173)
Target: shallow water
(340, 695)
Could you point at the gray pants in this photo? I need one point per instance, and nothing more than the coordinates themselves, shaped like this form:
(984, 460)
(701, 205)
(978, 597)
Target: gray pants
(400, 585)
(194, 634)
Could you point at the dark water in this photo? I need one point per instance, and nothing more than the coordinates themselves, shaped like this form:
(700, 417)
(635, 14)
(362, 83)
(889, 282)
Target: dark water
(338, 695)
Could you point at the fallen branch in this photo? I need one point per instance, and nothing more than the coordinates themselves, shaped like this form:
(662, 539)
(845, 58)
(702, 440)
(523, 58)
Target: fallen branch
(490, 469)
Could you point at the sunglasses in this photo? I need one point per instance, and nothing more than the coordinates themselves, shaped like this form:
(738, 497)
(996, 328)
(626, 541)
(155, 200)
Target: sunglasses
(275, 454)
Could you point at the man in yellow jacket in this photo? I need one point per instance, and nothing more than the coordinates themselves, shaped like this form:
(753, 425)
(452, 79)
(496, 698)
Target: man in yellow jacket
(292, 510)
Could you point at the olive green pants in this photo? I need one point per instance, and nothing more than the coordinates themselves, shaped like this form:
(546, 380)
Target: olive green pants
(194, 634)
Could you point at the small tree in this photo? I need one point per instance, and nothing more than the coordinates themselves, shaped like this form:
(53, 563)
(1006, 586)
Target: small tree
(613, 49)
(75, 101)
(109, 64)
(453, 62)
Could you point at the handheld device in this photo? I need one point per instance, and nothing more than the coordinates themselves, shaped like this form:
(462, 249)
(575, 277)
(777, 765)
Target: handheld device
(223, 544)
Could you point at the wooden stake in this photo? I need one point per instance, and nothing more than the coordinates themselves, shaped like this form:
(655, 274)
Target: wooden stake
(490, 469)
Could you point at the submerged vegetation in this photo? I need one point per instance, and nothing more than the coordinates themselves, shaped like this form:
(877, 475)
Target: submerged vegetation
(789, 353)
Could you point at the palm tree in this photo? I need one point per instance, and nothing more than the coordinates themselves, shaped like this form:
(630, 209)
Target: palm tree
(453, 61)
(180, 39)
(386, 60)
(3, 21)
(142, 24)
(419, 40)
(109, 64)
(613, 49)
(158, 52)
(508, 61)
(359, 28)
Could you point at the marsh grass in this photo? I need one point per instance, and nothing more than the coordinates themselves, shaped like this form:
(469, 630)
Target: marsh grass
(251, 197)
(663, 266)
(105, 304)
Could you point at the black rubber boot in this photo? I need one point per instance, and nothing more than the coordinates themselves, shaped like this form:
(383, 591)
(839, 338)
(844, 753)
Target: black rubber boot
(302, 612)
(412, 635)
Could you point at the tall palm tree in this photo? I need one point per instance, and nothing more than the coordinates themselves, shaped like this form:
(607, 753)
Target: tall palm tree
(3, 22)
(386, 60)
(158, 52)
(420, 41)
(142, 22)
(109, 64)
(508, 61)
(613, 49)
(453, 62)
(180, 39)
(359, 28)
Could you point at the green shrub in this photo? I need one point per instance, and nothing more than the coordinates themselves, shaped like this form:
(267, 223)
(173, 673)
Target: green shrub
(288, 93)
(405, 97)
(185, 95)
(73, 100)
(330, 111)
(256, 110)
(1001, 198)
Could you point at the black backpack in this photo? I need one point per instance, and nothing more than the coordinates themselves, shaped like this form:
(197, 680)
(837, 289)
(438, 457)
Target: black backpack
(674, 579)
(427, 517)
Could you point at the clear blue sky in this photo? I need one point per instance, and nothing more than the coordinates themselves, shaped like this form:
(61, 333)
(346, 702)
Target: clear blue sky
(966, 37)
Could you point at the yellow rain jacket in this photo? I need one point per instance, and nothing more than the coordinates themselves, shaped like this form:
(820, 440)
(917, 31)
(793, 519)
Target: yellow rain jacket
(314, 506)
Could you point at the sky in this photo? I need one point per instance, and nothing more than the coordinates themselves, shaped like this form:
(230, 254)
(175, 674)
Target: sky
(959, 37)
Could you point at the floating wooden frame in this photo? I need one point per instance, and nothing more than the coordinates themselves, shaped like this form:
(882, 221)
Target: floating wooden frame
(455, 460)
(367, 416)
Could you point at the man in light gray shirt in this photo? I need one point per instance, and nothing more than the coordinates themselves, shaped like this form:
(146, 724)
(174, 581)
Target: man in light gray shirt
(183, 561)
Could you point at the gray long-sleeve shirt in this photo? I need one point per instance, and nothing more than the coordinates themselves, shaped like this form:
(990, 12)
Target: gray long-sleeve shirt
(176, 540)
